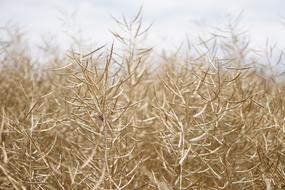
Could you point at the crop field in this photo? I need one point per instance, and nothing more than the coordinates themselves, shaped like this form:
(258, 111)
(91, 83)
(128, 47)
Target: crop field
(123, 116)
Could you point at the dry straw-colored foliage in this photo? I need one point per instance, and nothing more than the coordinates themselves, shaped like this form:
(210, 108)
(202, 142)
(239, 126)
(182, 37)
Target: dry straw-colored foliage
(122, 118)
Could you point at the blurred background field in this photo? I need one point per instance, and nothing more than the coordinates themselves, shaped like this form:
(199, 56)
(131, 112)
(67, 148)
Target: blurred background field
(58, 21)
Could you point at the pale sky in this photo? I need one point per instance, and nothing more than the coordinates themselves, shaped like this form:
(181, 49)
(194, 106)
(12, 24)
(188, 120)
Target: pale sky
(172, 19)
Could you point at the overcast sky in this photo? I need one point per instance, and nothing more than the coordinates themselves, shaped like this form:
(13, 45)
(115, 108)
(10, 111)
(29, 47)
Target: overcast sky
(172, 19)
